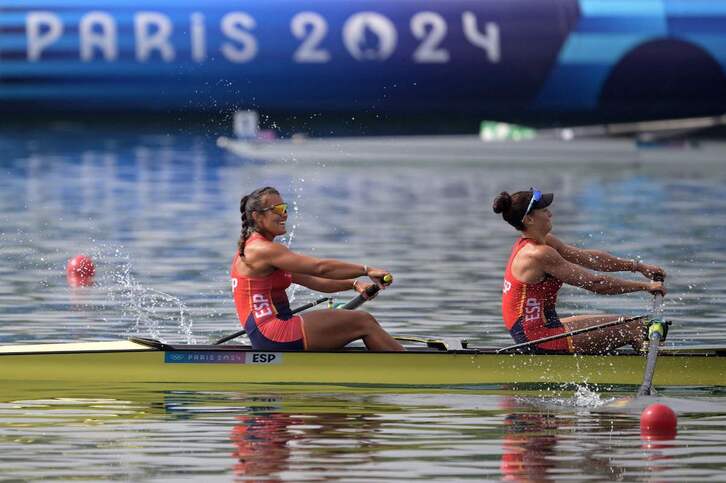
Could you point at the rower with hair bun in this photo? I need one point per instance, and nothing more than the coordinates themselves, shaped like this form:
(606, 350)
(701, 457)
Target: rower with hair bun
(538, 266)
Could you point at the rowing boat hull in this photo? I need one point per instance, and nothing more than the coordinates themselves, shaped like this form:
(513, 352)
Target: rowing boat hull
(130, 362)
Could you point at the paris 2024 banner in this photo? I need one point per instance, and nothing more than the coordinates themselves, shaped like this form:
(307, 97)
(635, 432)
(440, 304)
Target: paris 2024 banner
(517, 59)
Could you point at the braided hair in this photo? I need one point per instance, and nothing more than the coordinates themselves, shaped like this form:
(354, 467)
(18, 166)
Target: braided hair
(247, 205)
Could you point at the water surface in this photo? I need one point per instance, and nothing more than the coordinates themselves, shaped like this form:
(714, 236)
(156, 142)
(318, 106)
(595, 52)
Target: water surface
(159, 214)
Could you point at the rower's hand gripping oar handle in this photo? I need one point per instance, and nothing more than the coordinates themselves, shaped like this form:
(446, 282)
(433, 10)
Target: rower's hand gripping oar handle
(367, 294)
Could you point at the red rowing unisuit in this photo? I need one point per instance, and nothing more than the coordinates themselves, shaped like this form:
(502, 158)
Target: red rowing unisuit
(263, 307)
(528, 309)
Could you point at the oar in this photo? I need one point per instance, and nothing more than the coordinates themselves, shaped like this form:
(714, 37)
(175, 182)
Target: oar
(294, 311)
(369, 292)
(656, 331)
(311, 304)
(620, 320)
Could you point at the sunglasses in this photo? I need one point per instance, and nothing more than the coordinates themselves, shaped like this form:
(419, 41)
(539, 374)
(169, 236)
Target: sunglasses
(278, 209)
(536, 196)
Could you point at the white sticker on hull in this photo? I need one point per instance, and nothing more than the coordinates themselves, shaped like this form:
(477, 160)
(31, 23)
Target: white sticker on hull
(222, 357)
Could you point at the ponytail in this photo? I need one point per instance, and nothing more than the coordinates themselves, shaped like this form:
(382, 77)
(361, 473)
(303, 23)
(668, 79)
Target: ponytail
(244, 233)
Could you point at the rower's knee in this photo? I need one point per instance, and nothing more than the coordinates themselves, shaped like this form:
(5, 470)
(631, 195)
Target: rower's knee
(364, 322)
(638, 333)
(639, 328)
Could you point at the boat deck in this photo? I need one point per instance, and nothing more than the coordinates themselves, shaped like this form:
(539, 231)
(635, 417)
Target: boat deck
(426, 346)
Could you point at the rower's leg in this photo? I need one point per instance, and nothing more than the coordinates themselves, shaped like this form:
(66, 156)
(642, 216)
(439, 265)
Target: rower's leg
(606, 339)
(333, 329)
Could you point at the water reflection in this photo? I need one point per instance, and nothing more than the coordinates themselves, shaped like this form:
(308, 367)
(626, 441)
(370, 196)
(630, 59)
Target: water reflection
(263, 444)
(537, 446)
(275, 434)
(528, 447)
(267, 442)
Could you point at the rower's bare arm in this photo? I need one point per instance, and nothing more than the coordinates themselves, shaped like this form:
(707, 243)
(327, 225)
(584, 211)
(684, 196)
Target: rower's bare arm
(319, 284)
(574, 274)
(602, 261)
(571, 253)
(279, 256)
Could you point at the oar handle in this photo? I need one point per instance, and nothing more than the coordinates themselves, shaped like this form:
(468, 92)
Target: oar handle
(361, 299)
(367, 294)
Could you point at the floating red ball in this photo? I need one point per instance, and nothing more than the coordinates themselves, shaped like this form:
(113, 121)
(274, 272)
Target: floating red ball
(80, 271)
(658, 421)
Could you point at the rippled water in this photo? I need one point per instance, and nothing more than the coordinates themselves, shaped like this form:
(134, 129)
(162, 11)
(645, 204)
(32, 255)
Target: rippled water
(159, 214)
(138, 434)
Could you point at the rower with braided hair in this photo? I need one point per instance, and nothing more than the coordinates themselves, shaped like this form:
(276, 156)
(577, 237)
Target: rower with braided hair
(262, 270)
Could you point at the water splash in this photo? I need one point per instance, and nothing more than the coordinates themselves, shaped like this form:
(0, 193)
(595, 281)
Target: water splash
(290, 236)
(152, 310)
(114, 289)
(585, 396)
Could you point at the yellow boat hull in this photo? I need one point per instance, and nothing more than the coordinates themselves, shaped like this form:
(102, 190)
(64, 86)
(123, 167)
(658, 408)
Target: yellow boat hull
(130, 362)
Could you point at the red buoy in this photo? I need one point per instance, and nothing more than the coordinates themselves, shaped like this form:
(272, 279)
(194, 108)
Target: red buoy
(80, 271)
(658, 421)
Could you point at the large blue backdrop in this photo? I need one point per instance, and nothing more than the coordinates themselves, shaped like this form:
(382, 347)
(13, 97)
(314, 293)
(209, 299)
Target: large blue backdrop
(517, 59)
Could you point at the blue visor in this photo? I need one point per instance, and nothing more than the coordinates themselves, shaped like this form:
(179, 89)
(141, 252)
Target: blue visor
(536, 197)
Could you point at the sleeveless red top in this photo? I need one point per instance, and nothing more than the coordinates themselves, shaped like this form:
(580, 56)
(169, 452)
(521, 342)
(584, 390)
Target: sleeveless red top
(528, 303)
(262, 298)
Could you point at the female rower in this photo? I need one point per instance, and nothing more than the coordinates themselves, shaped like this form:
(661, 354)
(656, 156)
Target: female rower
(262, 270)
(539, 265)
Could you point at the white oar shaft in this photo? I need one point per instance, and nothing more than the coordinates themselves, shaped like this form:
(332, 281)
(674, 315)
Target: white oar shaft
(658, 307)
(646, 389)
(654, 337)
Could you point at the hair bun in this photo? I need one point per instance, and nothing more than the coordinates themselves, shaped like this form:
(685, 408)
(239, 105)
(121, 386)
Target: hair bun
(502, 203)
